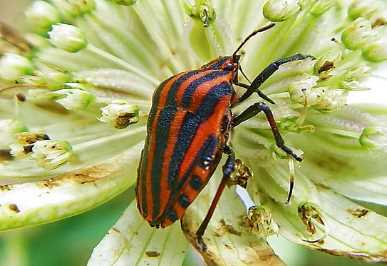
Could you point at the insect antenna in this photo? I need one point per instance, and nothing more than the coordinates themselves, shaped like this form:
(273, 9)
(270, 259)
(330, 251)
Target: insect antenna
(243, 74)
(264, 28)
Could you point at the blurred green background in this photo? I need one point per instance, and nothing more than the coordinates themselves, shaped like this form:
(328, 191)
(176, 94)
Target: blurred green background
(70, 242)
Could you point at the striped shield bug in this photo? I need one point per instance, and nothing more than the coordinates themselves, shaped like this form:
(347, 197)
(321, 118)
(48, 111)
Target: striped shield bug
(187, 132)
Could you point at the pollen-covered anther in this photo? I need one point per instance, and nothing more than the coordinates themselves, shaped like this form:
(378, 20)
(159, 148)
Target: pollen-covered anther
(260, 220)
(312, 218)
(14, 66)
(326, 63)
(280, 10)
(240, 175)
(41, 15)
(51, 154)
(120, 114)
(67, 37)
(26, 138)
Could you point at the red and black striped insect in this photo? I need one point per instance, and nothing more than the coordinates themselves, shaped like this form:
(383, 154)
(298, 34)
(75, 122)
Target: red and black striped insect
(188, 128)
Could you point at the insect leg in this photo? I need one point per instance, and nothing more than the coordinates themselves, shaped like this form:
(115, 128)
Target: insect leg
(267, 72)
(254, 110)
(260, 93)
(228, 168)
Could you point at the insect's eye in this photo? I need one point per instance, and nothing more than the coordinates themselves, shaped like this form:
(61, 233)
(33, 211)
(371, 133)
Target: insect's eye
(229, 66)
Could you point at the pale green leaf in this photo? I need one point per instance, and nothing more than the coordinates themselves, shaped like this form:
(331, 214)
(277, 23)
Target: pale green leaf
(131, 241)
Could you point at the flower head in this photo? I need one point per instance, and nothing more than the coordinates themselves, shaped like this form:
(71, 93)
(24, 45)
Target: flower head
(94, 68)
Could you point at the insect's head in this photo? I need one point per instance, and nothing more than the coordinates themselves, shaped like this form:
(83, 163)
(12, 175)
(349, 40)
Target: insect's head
(231, 63)
(228, 63)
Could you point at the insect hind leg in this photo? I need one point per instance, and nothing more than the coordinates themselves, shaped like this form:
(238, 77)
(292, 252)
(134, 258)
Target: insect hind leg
(253, 110)
(228, 169)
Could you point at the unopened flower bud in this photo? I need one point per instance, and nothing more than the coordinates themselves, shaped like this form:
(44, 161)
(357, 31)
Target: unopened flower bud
(280, 10)
(120, 114)
(376, 51)
(359, 34)
(67, 37)
(13, 66)
(74, 99)
(202, 9)
(362, 8)
(41, 15)
(71, 9)
(51, 154)
(124, 2)
(55, 79)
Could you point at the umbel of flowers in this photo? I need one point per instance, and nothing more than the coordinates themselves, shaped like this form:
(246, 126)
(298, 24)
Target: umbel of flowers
(76, 90)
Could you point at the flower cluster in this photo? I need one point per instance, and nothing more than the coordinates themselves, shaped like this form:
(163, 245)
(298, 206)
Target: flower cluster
(76, 90)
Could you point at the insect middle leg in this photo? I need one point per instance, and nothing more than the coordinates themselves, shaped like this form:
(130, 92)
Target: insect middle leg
(253, 110)
(228, 169)
(265, 74)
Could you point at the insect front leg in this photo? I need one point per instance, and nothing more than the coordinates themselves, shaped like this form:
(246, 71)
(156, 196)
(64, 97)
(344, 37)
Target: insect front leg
(228, 169)
(265, 74)
(253, 110)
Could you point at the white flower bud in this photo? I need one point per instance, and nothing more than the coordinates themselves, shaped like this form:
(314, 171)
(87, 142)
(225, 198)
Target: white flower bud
(120, 114)
(362, 8)
(54, 79)
(124, 2)
(67, 37)
(376, 51)
(74, 99)
(359, 34)
(202, 9)
(13, 66)
(70, 9)
(280, 10)
(51, 154)
(41, 15)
